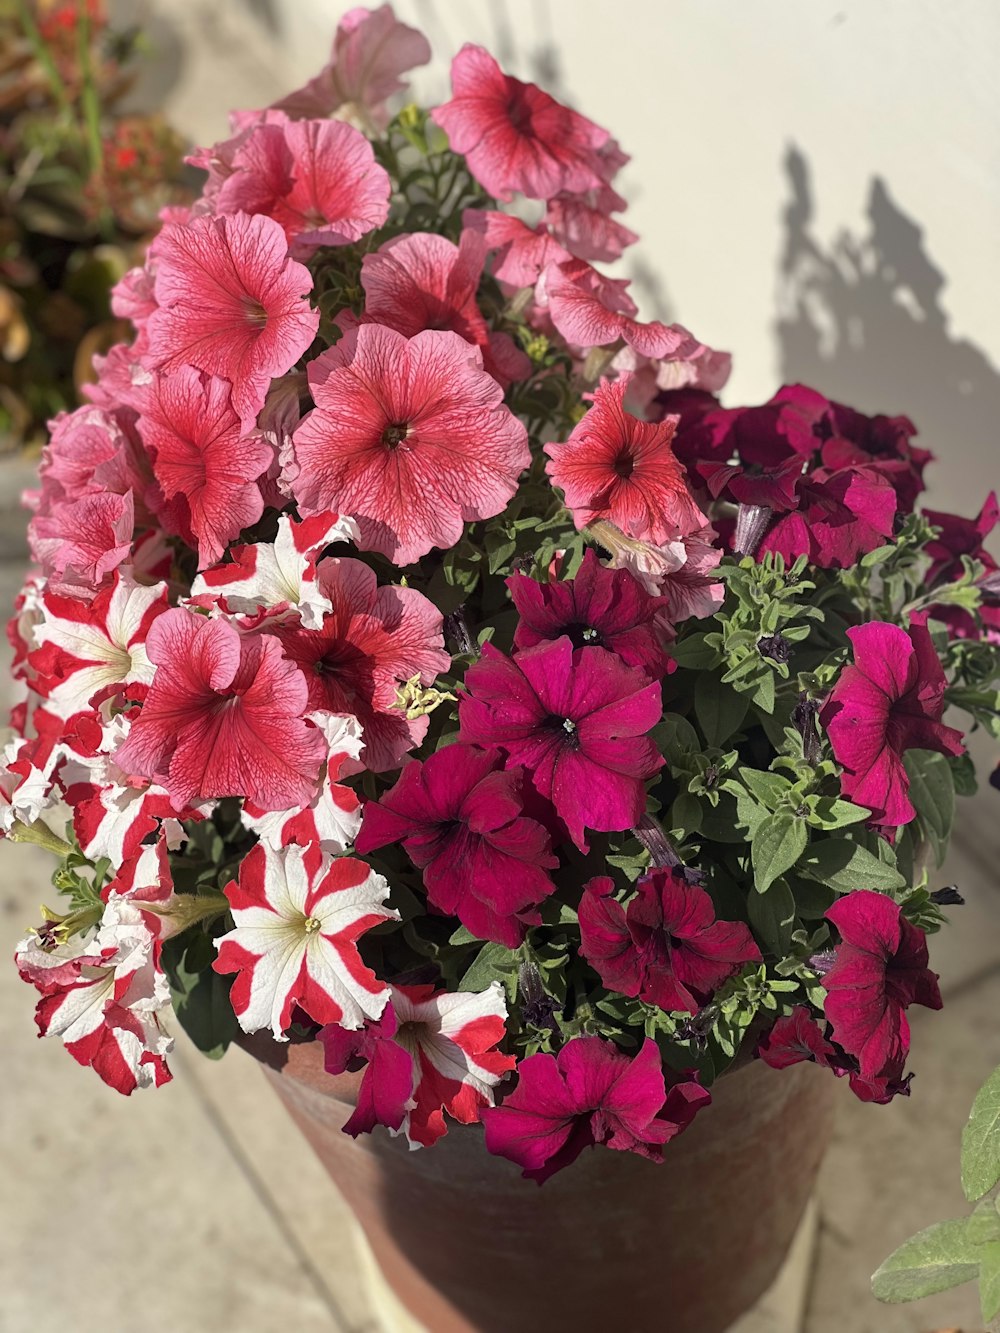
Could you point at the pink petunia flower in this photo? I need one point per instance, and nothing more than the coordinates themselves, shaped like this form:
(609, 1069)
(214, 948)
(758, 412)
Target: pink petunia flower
(599, 607)
(617, 467)
(584, 225)
(665, 946)
(230, 303)
(890, 700)
(575, 720)
(317, 178)
(960, 537)
(514, 136)
(880, 970)
(223, 717)
(277, 575)
(208, 467)
(373, 640)
(796, 1037)
(590, 1093)
(521, 252)
(841, 516)
(371, 49)
(410, 436)
(298, 917)
(462, 823)
(86, 540)
(451, 1064)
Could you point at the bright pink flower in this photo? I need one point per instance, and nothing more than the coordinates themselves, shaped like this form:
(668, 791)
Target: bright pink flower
(223, 717)
(332, 818)
(590, 1093)
(277, 575)
(665, 946)
(591, 310)
(521, 252)
(514, 136)
(410, 436)
(373, 640)
(841, 517)
(92, 451)
(890, 700)
(965, 537)
(584, 225)
(208, 468)
(599, 607)
(453, 1066)
(462, 822)
(231, 303)
(576, 721)
(298, 917)
(796, 1037)
(317, 178)
(371, 49)
(880, 970)
(617, 467)
(85, 540)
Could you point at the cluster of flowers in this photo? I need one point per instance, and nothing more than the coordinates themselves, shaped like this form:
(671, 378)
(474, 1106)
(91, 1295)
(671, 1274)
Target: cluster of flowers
(427, 663)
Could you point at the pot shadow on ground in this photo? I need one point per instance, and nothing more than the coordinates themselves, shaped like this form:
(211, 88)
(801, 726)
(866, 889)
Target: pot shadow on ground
(861, 319)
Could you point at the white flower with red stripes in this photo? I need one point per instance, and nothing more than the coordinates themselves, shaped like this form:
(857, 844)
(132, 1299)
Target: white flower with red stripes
(277, 575)
(299, 915)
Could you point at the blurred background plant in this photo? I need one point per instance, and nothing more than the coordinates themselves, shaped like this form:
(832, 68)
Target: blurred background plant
(81, 184)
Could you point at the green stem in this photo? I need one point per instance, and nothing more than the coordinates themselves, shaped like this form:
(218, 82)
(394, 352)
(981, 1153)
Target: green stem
(41, 835)
(42, 55)
(92, 119)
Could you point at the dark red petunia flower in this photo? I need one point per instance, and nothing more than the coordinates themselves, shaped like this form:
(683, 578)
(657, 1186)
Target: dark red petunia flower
(575, 720)
(600, 608)
(461, 820)
(794, 1038)
(665, 946)
(590, 1093)
(880, 970)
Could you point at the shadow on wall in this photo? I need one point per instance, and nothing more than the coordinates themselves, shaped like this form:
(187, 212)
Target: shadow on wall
(861, 320)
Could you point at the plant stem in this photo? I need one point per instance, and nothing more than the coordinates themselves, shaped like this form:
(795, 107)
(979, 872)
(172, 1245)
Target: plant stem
(43, 55)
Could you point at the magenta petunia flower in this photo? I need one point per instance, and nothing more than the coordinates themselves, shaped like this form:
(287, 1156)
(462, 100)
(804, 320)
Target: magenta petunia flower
(317, 178)
(590, 1093)
(601, 608)
(230, 303)
(841, 516)
(665, 946)
(880, 970)
(796, 1037)
(373, 640)
(223, 717)
(207, 466)
(409, 436)
(617, 467)
(576, 721)
(890, 700)
(462, 822)
(514, 136)
(965, 537)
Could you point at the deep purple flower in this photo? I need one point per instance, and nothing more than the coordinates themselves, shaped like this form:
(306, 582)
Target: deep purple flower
(576, 721)
(599, 608)
(881, 969)
(462, 822)
(590, 1093)
(665, 946)
(889, 701)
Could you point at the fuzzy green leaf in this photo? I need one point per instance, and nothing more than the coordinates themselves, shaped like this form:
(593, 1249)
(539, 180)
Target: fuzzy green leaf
(777, 844)
(935, 1259)
(772, 916)
(845, 866)
(494, 962)
(981, 1140)
(719, 709)
(989, 1280)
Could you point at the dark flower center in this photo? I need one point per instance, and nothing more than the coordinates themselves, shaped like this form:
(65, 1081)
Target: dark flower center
(624, 465)
(519, 112)
(394, 434)
(583, 636)
(565, 729)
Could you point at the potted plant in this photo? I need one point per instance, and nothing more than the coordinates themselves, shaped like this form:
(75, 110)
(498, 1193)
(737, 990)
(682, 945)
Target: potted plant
(431, 687)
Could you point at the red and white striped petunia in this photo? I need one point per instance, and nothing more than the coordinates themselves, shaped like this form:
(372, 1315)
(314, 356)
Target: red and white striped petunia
(299, 915)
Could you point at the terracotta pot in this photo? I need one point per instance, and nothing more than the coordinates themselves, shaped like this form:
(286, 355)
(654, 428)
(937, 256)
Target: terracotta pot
(614, 1242)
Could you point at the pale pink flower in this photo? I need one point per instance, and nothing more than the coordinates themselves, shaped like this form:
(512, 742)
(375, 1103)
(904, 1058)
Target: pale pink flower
(584, 225)
(521, 252)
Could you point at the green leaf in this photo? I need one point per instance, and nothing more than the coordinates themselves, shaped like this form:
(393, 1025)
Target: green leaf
(829, 812)
(845, 866)
(981, 1140)
(719, 709)
(984, 1224)
(772, 916)
(767, 787)
(933, 1260)
(932, 791)
(200, 996)
(494, 962)
(989, 1280)
(695, 654)
(777, 844)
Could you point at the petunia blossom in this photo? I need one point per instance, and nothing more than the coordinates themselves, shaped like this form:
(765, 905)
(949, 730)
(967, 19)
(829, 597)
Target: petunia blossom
(452, 1064)
(576, 721)
(514, 136)
(796, 1037)
(463, 823)
(590, 1093)
(230, 302)
(617, 467)
(374, 640)
(520, 252)
(208, 467)
(410, 436)
(584, 225)
(223, 717)
(665, 946)
(85, 540)
(890, 699)
(880, 970)
(299, 915)
(598, 607)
